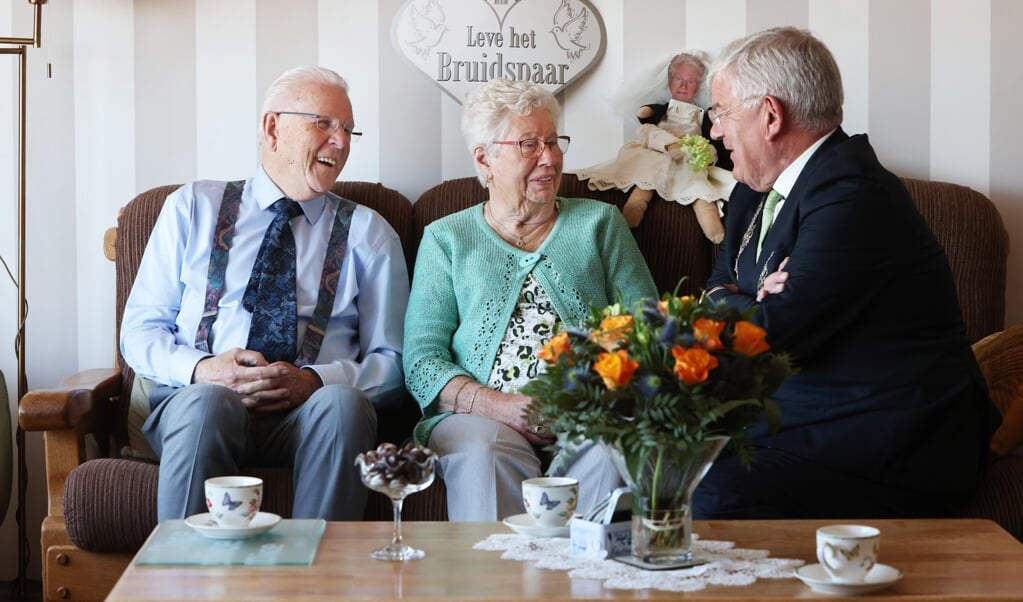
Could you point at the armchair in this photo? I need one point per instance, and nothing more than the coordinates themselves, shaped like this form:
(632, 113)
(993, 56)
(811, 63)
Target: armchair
(101, 507)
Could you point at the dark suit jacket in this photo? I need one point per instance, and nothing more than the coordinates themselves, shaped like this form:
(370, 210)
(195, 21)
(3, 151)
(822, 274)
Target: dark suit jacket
(888, 389)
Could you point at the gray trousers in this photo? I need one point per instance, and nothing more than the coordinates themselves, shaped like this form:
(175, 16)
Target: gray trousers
(201, 431)
(483, 463)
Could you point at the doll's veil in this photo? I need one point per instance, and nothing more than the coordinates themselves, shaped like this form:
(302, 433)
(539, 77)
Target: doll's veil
(650, 86)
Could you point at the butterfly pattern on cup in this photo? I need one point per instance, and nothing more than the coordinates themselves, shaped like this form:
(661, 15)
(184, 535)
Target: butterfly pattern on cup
(547, 503)
(229, 505)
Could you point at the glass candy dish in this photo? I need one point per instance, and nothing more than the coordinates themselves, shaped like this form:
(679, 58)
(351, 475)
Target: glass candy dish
(397, 472)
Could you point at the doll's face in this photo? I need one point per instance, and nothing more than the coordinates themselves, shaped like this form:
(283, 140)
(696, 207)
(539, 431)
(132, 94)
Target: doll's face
(684, 82)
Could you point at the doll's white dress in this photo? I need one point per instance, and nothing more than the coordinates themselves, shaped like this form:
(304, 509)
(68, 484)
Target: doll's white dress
(644, 163)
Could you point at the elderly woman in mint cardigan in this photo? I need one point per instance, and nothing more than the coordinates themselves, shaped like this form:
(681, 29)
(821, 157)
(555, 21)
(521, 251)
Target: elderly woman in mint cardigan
(492, 284)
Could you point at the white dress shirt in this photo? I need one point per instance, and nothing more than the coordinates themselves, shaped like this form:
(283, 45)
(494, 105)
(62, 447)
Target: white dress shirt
(363, 341)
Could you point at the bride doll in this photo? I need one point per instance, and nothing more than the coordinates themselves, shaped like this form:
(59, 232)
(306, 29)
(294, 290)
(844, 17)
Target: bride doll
(657, 161)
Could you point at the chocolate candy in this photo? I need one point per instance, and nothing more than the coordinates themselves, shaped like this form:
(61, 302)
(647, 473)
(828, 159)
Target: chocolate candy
(389, 467)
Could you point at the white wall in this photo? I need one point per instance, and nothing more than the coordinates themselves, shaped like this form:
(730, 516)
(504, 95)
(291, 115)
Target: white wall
(147, 92)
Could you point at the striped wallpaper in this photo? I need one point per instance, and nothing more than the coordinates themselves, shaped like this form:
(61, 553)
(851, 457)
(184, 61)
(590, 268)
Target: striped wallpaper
(149, 92)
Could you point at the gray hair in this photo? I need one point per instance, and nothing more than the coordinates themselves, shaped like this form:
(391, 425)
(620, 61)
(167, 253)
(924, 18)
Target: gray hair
(691, 59)
(286, 83)
(791, 65)
(485, 111)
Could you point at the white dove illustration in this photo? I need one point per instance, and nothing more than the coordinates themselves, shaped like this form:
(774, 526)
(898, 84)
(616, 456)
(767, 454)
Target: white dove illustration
(568, 29)
(429, 25)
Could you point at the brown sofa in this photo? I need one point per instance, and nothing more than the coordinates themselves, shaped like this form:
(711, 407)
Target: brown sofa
(100, 510)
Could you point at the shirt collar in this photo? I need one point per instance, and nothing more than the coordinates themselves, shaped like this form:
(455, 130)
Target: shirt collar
(266, 193)
(787, 179)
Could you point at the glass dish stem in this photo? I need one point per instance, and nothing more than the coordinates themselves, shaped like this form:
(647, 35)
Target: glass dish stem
(397, 550)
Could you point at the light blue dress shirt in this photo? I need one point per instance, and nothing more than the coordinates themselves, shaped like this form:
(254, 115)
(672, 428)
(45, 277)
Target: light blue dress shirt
(363, 342)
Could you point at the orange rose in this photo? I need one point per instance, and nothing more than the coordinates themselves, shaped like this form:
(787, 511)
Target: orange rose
(750, 339)
(616, 368)
(612, 332)
(693, 365)
(553, 349)
(707, 333)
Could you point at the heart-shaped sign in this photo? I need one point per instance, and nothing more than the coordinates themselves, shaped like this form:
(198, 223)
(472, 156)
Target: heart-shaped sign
(460, 44)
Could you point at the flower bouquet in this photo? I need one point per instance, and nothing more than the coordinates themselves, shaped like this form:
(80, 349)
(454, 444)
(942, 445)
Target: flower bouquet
(699, 152)
(664, 388)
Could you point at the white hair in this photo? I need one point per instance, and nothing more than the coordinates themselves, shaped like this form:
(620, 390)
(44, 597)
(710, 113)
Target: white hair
(285, 84)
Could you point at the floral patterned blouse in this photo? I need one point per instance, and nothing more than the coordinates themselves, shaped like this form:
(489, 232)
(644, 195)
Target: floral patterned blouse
(533, 323)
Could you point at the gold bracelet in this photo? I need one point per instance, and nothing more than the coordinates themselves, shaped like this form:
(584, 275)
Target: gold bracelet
(473, 400)
(454, 408)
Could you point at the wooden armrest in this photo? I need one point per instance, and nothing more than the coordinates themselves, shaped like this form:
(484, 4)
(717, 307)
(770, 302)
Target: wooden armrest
(110, 243)
(70, 403)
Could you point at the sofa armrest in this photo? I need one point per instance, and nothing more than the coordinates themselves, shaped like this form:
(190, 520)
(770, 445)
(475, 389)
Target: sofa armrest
(73, 404)
(80, 405)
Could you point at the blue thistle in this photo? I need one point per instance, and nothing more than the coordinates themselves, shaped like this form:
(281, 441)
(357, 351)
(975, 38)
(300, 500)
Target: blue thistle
(669, 331)
(574, 377)
(648, 385)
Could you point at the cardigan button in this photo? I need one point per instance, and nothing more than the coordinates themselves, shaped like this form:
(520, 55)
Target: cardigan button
(528, 260)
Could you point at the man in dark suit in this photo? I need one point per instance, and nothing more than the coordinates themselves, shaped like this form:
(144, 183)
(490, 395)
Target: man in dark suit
(889, 414)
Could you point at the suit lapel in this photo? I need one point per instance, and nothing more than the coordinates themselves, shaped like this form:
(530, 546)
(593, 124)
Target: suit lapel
(780, 238)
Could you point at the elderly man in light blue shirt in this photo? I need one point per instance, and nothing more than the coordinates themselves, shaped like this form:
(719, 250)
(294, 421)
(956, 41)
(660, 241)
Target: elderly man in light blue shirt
(209, 396)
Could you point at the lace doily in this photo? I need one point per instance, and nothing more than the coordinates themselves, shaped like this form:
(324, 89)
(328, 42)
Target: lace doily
(728, 565)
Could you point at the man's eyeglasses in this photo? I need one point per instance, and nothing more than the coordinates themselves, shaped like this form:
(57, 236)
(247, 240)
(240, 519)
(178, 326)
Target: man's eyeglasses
(327, 123)
(717, 115)
(534, 147)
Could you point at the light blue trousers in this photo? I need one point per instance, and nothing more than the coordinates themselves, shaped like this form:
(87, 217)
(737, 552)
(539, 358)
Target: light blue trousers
(202, 431)
(483, 463)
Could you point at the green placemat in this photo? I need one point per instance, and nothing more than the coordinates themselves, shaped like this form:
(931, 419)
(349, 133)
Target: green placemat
(290, 542)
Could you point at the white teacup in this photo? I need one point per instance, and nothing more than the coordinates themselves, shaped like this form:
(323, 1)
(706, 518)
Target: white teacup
(234, 501)
(848, 552)
(550, 501)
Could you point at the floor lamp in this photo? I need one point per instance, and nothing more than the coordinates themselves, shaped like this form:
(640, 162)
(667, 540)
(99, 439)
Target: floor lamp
(21, 45)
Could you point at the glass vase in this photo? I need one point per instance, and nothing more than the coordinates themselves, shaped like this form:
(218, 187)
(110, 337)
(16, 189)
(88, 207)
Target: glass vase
(662, 485)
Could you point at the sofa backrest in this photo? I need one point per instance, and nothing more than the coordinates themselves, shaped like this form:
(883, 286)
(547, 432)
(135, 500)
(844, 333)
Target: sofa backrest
(964, 221)
(976, 243)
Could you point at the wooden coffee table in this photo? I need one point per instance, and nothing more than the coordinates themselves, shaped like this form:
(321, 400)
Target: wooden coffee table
(955, 559)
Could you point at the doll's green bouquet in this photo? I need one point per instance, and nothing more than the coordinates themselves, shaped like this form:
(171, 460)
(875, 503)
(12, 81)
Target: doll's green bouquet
(699, 153)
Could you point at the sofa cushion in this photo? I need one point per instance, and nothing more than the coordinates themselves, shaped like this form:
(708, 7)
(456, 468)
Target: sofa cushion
(1000, 356)
(110, 504)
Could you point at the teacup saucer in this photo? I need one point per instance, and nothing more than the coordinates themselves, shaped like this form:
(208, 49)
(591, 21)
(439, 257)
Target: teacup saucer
(524, 525)
(205, 525)
(879, 577)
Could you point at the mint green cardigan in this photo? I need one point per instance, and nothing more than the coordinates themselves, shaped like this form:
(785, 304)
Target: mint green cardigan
(467, 282)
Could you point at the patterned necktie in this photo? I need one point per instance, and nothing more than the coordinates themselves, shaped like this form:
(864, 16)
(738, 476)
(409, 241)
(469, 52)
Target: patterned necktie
(773, 198)
(270, 296)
